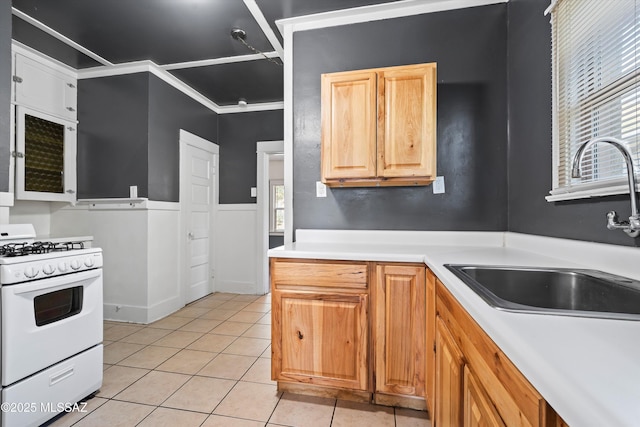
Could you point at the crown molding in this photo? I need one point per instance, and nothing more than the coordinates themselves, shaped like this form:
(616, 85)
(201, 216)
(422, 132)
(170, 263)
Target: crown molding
(377, 12)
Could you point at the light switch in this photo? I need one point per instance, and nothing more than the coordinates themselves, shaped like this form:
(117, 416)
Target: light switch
(321, 189)
(254, 192)
(438, 185)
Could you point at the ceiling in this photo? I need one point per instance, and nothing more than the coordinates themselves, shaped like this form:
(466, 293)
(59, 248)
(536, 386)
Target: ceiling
(171, 33)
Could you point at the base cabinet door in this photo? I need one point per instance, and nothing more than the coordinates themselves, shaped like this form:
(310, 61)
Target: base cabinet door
(449, 379)
(400, 329)
(478, 410)
(321, 339)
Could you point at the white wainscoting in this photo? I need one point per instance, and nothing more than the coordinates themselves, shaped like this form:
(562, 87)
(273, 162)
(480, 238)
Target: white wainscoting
(236, 248)
(163, 261)
(140, 252)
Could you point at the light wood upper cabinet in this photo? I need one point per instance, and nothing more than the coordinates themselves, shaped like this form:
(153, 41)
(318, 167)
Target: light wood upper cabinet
(379, 126)
(349, 125)
(400, 330)
(407, 126)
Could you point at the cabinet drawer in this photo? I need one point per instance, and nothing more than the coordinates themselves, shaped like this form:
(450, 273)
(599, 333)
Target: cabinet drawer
(334, 274)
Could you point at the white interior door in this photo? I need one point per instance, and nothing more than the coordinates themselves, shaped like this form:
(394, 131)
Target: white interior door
(198, 198)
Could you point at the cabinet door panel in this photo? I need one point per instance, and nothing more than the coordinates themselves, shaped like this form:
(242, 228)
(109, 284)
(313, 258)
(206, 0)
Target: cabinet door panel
(323, 339)
(45, 89)
(407, 133)
(430, 356)
(349, 125)
(479, 411)
(449, 372)
(400, 329)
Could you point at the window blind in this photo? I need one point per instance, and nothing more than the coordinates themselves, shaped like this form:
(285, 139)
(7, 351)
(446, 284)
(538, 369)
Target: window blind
(596, 91)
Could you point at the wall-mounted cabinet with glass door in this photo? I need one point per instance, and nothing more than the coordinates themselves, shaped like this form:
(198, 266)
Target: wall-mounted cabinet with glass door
(45, 97)
(45, 157)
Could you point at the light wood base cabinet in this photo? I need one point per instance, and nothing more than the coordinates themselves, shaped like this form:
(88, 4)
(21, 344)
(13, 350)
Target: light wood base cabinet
(400, 330)
(476, 384)
(323, 315)
(320, 323)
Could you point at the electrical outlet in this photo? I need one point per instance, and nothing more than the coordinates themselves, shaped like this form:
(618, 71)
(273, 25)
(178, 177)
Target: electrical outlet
(321, 189)
(438, 185)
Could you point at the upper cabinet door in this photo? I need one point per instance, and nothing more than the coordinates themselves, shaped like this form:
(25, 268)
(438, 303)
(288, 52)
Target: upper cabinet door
(349, 125)
(44, 89)
(407, 129)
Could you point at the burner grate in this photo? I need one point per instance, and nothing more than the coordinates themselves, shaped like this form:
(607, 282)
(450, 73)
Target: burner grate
(22, 249)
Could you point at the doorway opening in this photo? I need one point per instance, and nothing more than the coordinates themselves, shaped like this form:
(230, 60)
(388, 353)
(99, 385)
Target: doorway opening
(270, 206)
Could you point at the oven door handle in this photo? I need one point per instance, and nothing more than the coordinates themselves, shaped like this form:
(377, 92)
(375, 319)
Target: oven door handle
(64, 281)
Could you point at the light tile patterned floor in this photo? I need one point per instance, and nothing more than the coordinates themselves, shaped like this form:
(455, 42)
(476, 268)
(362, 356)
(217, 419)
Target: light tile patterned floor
(209, 365)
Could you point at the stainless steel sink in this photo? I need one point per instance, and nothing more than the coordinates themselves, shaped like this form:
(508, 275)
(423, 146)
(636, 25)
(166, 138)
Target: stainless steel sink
(586, 293)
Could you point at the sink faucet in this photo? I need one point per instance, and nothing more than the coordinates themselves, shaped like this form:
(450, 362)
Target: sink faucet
(631, 227)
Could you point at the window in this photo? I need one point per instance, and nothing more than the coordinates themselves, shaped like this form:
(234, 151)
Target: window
(277, 206)
(596, 89)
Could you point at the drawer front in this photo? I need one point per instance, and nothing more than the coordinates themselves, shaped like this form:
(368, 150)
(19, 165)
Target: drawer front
(45, 394)
(333, 274)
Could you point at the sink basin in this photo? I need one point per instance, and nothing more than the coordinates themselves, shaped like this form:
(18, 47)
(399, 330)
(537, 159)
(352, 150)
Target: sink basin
(586, 293)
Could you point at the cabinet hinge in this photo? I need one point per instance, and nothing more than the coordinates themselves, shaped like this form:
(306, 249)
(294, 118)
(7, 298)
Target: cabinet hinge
(17, 79)
(70, 129)
(72, 86)
(71, 109)
(17, 154)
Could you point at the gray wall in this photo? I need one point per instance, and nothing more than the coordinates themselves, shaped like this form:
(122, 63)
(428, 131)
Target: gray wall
(5, 92)
(470, 49)
(530, 150)
(128, 135)
(169, 111)
(238, 135)
(113, 136)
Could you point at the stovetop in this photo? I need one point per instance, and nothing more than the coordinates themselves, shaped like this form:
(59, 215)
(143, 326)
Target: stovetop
(22, 249)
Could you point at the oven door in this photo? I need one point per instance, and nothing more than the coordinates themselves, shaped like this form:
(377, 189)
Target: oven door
(49, 320)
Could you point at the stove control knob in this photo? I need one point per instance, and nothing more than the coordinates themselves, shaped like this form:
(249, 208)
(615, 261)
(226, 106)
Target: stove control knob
(75, 264)
(48, 269)
(89, 262)
(62, 266)
(31, 272)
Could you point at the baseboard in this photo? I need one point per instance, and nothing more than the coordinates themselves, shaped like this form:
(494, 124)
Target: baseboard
(411, 402)
(125, 313)
(230, 286)
(322, 391)
(164, 308)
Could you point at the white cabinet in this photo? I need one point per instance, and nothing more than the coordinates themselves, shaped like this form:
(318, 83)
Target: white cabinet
(45, 157)
(44, 154)
(44, 88)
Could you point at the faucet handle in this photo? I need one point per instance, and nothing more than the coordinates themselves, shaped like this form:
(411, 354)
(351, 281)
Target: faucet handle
(612, 221)
(631, 227)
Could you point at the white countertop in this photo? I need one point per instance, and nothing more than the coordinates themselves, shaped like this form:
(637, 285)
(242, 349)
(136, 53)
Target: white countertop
(587, 369)
(63, 239)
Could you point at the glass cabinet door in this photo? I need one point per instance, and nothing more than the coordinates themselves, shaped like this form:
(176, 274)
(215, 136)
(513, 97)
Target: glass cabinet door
(45, 157)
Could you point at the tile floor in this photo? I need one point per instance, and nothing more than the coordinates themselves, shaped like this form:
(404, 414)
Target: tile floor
(209, 365)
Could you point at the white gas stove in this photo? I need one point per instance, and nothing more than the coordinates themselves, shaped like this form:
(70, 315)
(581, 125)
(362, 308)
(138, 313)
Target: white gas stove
(51, 330)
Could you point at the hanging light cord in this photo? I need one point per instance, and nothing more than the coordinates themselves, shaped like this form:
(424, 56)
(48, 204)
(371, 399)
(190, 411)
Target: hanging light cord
(240, 35)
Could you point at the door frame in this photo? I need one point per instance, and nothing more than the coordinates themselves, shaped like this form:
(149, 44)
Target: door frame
(188, 139)
(264, 150)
